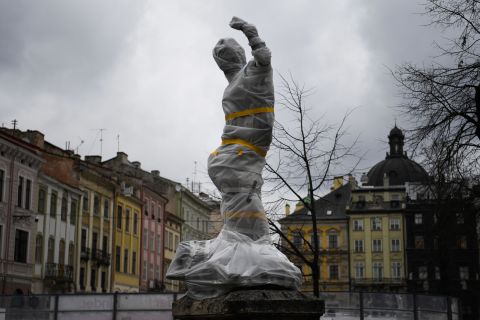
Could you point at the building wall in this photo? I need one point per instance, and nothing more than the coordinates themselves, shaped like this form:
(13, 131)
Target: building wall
(56, 222)
(173, 230)
(368, 205)
(127, 239)
(153, 219)
(95, 220)
(196, 216)
(18, 162)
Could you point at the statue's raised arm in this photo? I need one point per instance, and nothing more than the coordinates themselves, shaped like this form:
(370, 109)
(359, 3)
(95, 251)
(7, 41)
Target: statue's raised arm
(260, 51)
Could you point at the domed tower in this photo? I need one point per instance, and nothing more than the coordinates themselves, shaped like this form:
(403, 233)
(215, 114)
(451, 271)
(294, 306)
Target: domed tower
(397, 168)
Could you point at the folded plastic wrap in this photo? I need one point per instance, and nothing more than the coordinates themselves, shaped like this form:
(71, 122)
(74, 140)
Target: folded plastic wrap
(242, 255)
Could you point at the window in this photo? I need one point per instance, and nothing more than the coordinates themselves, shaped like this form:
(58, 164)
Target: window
(42, 197)
(153, 210)
(127, 220)
(2, 182)
(73, 211)
(119, 217)
(419, 242)
(437, 273)
(376, 224)
(395, 245)
(150, 268)
(105, 244)
(159, 248)
(20, 192)
(377, 245)
(177, 240)
(85, 202)
(297, 239)
(418, 218)
(329, 212)
(117, 258)
(94, 241)
(422, 273)
(461, 242)
(333, 272)
(395, 224)
(170, 241)
(460, 218)
(359, 270)
(63, 209)
(38, 248)
(28, 193)
(93, 280)
(152, 241)
(145, 270)
(82, 278)
(134, 262)
(145, 238)
(357, 225)
(71, 253)
(103, 281)
(51, 248)
(61, 252)
(157, 272)
(106, 208)
(332, 241)
(377, 271)
(96, 204)
(146, 208)
(135, 223)
(358, 245)
(83, 241)
(396, 270)
(125, 261)
(464, 274)
(53, 204)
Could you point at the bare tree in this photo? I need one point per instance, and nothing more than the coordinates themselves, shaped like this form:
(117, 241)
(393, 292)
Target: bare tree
(306, 153)
(442, 101)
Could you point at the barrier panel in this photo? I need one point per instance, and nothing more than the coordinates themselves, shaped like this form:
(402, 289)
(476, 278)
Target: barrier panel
(158, 306)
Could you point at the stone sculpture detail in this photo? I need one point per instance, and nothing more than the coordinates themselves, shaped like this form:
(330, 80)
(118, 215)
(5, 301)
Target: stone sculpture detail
(242, 255)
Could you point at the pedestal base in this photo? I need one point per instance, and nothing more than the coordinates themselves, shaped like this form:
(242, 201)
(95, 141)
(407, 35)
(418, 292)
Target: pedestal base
(251, 305)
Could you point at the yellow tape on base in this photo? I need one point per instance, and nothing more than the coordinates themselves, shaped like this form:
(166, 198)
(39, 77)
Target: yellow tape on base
(248, 112)
(247, 144)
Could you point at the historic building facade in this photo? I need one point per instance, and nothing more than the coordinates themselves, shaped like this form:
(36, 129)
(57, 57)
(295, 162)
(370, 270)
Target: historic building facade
(332, 226)
(19, 165)
(377, 221)
(196, 216)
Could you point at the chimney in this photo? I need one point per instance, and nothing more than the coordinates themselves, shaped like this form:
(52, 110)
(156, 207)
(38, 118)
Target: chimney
(287, 209)
(36, 138)
(337, 182)
(123, 157)
(136, 164)
(155, 173)
(352, 181)
(93, 159)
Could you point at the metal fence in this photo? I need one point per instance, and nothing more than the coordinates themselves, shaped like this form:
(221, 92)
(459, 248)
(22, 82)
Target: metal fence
(158, 306)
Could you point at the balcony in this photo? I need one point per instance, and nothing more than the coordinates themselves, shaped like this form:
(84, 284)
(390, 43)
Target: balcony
(58, 272)
(85, 254)
(379, 282)
(102, 257)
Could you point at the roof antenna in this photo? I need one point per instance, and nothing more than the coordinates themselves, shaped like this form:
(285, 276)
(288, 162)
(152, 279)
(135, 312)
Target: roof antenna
(118, 142)
(14, 122)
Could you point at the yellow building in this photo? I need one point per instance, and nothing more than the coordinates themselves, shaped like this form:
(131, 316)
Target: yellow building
(173, 229)
(127, 240)
(94, 229)
(377, 220)
(332, 226)
(377, 256)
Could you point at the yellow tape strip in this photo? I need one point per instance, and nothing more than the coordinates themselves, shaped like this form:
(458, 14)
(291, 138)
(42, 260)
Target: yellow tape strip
(247, 144)
(248, 112)
(246, 214)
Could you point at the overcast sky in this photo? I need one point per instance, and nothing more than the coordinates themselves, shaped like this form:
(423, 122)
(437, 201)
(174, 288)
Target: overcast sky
(144, 70)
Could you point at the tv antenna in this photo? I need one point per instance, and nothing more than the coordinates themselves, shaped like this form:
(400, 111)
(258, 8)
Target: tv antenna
(14, 123)
(118, 142)
(78, 146)
(101, 139)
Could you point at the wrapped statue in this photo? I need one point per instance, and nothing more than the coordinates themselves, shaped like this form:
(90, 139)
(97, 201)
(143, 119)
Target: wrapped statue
(242, 255)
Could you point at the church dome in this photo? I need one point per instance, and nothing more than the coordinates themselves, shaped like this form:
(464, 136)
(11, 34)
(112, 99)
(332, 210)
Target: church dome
(397, 168)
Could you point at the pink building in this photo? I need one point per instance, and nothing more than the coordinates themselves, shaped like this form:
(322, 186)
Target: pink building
(153, 226)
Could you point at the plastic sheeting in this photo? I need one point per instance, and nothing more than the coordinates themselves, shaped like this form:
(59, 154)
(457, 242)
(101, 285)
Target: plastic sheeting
(242, 255)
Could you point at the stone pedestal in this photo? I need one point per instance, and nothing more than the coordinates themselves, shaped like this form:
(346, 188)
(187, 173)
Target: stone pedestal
(251, 305)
